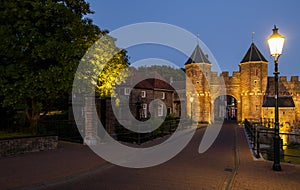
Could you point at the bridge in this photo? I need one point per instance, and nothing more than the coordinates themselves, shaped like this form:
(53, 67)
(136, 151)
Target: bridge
(228, 164)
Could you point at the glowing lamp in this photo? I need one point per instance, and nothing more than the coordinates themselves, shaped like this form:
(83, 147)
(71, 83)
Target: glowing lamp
(276, 42)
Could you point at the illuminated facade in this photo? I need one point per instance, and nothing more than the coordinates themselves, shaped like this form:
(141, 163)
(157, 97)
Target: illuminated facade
(249, 91)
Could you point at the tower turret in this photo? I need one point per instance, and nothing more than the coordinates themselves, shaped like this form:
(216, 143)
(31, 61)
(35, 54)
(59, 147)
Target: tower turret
(198, 71)
(254, 76)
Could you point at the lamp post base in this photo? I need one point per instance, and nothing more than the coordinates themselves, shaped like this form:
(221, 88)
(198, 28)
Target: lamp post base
(276, 167)
(276, 164)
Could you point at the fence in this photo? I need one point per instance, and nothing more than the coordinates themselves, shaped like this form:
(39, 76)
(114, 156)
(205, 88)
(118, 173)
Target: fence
(261, 140)
(67, 130)
(64, 129)
(166, 128)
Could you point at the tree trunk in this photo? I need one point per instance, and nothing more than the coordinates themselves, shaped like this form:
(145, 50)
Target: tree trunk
(33, 116)
(34, 123)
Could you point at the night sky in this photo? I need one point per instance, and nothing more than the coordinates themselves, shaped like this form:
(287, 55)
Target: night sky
(224, 26)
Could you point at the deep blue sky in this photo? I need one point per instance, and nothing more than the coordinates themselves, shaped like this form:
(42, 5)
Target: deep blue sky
(224, 26)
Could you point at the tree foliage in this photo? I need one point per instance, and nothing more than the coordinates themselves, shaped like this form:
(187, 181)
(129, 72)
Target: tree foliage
(102, 68)
(166, 72)
(42, 42)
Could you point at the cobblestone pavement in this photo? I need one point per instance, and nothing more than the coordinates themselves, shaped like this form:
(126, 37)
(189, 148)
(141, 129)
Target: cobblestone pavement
(228, 164)
(188, 170)
(68, 160)
(258, 174)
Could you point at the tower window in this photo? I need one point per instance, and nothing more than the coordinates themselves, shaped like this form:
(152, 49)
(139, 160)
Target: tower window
(255, 72)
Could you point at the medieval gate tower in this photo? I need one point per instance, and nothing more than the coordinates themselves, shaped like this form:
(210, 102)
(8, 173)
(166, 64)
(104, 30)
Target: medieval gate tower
(248, 88)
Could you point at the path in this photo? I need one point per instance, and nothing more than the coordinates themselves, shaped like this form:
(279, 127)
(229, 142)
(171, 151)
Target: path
(74, 166)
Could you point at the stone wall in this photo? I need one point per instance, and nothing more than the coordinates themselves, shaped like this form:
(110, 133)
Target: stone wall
(21, 145)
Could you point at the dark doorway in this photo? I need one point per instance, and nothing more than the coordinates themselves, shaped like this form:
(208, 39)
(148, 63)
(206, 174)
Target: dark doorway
(225, 107)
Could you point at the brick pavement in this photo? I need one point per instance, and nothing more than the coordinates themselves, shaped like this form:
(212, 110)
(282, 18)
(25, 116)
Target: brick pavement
(74, 166)
(67, 161)
(187, 170)
(258, 174)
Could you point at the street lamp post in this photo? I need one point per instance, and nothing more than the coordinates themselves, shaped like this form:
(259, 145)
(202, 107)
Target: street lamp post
(276, 42)
(191, 100)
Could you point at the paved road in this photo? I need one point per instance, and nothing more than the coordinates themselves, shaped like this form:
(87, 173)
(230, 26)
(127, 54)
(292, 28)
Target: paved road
(228, 164)
(188, 170)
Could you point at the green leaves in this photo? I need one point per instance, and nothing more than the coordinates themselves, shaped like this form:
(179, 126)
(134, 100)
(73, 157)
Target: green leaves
(102, 67)
(42, 42)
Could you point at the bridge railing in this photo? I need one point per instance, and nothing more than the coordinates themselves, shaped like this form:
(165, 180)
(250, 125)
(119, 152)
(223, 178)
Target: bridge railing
(261, 140)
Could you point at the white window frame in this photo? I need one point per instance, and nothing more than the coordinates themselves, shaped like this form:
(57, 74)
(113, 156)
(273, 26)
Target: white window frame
(163, 95)
(126, 91)
(160, 110)
(143, 94)
(145, 111)
(169, 110)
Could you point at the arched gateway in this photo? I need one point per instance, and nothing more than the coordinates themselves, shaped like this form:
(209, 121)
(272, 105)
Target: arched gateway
(245, 89)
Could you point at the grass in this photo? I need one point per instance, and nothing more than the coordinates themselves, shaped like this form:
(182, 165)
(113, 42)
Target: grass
(294, 152)
(291, 154)
(5, 134)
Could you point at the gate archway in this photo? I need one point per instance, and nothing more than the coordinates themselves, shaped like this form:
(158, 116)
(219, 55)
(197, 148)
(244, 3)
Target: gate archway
(226, 108)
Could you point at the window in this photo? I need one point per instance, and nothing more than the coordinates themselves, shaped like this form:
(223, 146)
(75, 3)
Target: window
(127, 91)
(160, 111)
(255, 72)
(143, 94)
(144, 114)
(163, 95)
(169, 111)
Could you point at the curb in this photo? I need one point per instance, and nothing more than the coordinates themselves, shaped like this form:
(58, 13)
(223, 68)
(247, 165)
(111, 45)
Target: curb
(236, 161)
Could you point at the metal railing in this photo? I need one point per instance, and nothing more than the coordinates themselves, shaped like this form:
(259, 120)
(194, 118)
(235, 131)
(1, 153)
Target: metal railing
(64, 129)
(166, 128)
(261, 139)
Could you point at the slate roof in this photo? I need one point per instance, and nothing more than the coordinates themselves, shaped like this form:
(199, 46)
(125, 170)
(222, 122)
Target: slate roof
(253, 54)
(154, 83)
(284, 96)
(197, 56)
(283, 101)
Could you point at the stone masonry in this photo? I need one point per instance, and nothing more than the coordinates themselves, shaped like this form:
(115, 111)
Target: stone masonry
(250, 87)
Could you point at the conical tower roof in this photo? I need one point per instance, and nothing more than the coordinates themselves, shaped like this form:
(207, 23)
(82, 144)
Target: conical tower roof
(197, 56)
(253, 54)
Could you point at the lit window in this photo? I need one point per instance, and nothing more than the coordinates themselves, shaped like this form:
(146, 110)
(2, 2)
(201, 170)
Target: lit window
(126, 91)
(163, 95)
(143, 94)
(255, 72)
(160, 111)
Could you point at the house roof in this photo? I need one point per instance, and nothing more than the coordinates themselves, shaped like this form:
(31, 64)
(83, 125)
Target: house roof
(282, 89)
(253, 54)
(147, 80)
(285, 98)
(154, 83)
(197, 56)
(283, 101)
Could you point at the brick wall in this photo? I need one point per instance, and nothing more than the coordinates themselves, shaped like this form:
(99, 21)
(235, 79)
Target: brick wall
(14, 146)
